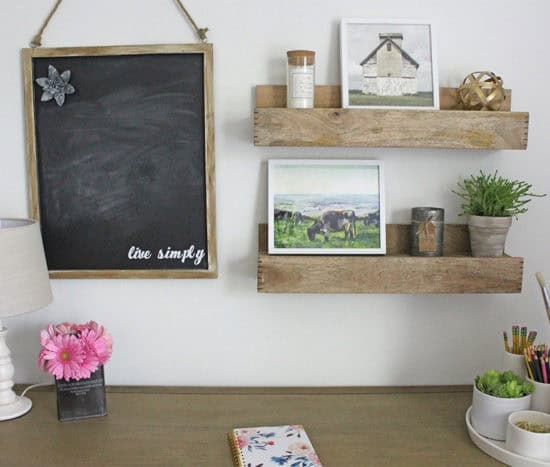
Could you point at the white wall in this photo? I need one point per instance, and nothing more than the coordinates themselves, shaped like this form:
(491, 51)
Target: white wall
(221, 332)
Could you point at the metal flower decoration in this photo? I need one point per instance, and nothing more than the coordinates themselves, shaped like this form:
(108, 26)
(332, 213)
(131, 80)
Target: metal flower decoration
(56, 86)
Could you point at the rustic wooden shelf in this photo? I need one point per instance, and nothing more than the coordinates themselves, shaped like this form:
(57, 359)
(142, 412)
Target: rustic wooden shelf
(396, 273)
(329, 125)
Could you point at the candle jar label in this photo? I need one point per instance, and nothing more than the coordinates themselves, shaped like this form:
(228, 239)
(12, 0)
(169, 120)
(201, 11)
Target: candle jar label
(426, 238)
(427, 229)
(302, 85)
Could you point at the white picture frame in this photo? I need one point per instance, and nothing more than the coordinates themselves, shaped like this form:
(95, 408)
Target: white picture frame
(326, 207)
(380, 71)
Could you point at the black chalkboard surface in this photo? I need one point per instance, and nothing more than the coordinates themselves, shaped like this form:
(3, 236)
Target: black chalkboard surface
(122, 171)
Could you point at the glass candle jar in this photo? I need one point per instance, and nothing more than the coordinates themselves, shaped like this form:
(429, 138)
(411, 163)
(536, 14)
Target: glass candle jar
(427, 231)
(301, 79)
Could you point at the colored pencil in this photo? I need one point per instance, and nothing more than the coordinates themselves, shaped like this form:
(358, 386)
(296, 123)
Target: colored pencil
(528, 364)
(536, 361)
(538, 371)
(532, 369)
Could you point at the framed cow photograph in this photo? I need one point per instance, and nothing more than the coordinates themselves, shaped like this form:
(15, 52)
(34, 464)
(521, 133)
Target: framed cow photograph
(326, 207)
(388, 64)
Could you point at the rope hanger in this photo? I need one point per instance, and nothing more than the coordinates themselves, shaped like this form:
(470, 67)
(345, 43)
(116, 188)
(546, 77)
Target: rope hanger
(37, 39)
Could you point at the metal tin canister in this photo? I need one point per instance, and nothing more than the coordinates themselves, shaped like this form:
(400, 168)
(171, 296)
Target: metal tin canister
(427, 231)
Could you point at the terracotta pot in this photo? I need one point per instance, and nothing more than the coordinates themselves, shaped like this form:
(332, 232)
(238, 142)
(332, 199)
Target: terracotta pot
(488, 234)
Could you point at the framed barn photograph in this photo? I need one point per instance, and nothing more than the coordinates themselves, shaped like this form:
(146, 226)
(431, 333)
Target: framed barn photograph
(388, 64)
(326, 207)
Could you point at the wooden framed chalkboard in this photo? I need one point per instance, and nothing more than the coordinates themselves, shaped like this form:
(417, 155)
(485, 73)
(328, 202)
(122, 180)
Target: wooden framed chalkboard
(120, 142)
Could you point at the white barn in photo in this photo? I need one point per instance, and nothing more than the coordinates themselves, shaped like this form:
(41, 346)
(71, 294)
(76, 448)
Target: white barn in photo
(388, 70)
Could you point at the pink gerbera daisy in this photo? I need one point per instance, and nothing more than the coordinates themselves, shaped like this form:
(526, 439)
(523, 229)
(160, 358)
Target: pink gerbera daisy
(95, 347)
(66, 328)
(62, 356)
(47, 334)
(102, 332)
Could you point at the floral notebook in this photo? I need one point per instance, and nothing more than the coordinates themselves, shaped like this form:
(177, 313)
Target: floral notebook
(268, 446)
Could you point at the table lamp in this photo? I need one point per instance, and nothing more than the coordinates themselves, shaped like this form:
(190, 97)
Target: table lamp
(24, 287)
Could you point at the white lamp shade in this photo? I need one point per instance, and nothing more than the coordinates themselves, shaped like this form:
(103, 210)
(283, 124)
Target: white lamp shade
(24, 280)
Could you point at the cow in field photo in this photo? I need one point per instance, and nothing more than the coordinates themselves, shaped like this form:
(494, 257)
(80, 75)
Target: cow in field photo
(325, 207)
(372, 218)
(284, 215)
(334, 221)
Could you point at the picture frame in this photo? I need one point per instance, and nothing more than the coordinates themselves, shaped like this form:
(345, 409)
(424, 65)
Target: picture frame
(388, 64)
(121, 168)
(326, 207)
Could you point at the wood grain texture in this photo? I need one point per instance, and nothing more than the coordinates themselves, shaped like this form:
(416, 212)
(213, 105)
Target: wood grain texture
(118, 50)
(32, 167)
(331, 97)
(396, 273)
(265, 390)
(329, 125)
(135, 274)
(190, 430)
(209, 157)
(453, 129)
(209, 163)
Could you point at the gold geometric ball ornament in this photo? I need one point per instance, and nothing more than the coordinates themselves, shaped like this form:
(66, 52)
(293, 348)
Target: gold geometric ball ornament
(482, 90)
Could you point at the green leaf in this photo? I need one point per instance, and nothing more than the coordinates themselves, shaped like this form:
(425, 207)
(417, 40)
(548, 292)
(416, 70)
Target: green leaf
(494, 196)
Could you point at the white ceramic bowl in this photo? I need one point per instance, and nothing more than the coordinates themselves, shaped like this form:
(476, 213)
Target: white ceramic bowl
(527, 443)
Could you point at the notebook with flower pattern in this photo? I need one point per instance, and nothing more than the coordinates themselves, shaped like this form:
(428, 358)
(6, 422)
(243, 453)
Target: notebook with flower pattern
(267, 446)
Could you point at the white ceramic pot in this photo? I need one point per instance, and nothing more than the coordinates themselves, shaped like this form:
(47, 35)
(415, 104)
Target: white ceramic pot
(540, 399)
(527, 443)
(490, 414)
(488, 234)
(515, 363)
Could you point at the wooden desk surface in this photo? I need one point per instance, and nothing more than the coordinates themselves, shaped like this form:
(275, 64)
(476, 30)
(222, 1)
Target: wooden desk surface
(188, 427)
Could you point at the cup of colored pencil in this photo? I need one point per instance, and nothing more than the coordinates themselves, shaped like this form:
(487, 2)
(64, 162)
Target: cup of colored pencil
(513, 358)
(538, 371)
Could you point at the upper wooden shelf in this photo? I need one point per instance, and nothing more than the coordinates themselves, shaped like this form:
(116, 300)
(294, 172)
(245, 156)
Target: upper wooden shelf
(457, 272)
(329, 125)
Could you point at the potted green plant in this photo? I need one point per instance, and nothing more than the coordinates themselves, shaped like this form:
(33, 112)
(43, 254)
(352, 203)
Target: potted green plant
(490, 201)
(496, 395)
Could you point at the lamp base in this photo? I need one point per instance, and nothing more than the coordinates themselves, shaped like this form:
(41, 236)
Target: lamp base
(17, 408)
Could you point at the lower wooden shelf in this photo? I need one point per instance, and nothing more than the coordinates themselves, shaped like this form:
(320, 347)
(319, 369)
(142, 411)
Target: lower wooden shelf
(396, 273)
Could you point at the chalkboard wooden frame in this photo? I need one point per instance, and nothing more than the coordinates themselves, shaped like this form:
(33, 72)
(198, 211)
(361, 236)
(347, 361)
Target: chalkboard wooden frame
(209, 176)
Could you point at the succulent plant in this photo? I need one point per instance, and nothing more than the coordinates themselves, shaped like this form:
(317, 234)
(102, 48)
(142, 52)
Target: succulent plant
(494, 196)
(506, 384)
